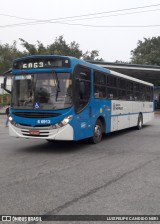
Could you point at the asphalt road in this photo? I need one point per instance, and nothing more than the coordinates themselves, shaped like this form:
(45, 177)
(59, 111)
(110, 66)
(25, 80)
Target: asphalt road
(119, 176)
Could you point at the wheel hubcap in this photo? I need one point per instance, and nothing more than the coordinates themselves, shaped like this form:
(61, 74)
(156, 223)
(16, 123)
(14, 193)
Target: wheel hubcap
(140, 123)
(97, 131)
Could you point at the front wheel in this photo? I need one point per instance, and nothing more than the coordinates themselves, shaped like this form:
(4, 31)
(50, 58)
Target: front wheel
(97, 135)
(50, 140)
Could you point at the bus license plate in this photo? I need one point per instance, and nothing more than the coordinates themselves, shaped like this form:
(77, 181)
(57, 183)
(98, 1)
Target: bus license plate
(34, 132)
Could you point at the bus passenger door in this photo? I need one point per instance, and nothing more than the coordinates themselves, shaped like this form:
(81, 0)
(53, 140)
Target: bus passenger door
(82, 102)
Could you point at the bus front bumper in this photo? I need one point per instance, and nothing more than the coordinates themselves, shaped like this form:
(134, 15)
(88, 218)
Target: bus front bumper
(62, 133)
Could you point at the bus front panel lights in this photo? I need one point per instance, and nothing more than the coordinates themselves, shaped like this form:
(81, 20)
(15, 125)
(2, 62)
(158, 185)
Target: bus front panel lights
(10, 119)
(64, 122)
(13, 122)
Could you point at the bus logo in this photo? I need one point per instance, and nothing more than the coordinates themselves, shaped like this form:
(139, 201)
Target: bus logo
(83, 125)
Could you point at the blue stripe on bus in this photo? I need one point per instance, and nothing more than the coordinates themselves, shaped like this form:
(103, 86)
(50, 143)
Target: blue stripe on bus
(114, 115)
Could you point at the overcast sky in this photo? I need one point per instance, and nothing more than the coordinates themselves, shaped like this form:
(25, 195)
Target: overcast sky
(113, 43)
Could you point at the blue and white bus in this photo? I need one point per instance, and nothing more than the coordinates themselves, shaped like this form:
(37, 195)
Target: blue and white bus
(64, 98)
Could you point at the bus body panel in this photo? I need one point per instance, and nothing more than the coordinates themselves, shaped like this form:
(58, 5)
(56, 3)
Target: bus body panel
(125, 113)
(85, 121)
(105, 112)
(83, 125)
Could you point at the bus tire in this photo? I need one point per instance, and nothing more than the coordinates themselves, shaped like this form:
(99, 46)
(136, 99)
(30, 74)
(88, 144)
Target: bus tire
(98, 131)
(50, 140)
(140, 122)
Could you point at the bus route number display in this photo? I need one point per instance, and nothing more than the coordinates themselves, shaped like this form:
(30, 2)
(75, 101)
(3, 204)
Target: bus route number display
(33, 65)
(44, 63)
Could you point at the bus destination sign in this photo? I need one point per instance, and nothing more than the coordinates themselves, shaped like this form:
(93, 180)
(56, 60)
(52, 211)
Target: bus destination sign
(33, 63)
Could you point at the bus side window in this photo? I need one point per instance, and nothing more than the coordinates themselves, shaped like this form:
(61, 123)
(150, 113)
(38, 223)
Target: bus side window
(82, 86)
(111, 87)
(129, 89)
(99, 85)
(111, 93)
(122, 87)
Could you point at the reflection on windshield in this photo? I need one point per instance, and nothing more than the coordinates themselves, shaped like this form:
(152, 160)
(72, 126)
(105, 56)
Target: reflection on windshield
(42, 91)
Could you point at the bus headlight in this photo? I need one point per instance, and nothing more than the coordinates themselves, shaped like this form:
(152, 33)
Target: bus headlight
(64, 122)
(10, 119)
(13, 122)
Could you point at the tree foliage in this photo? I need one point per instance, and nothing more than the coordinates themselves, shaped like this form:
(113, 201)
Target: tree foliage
(93, 56)
(147, 52)
(59, 47)
(7, 54)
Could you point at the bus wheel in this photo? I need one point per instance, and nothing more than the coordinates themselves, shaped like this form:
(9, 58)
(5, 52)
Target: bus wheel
(50, 140)
(97, 136)
(140, 122)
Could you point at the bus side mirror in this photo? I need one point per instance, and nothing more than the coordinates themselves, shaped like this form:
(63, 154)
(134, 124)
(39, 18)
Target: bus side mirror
(2, 86)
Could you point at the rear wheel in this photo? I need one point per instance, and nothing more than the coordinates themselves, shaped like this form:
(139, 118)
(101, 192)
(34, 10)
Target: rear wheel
(140, 122)
(97, 135)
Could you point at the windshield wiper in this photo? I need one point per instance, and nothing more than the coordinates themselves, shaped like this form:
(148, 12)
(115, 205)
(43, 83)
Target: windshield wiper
(57, 84)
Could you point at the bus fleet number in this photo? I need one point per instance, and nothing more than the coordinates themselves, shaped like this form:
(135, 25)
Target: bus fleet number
(43, 121)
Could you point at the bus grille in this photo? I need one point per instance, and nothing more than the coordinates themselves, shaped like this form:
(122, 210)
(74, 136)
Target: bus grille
(36, 115)
(42, 134)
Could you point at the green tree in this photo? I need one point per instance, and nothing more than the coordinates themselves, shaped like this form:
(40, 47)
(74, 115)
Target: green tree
(31, 49)
(93, 56)
(122, 62)
(7, 54)
(59, 47)
(147, 52)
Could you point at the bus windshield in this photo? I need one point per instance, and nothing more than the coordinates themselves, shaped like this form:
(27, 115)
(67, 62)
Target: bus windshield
(44, 91)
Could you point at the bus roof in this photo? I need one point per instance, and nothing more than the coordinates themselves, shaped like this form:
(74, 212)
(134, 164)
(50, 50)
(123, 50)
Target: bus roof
(75, 61)
(97, 67)
(130, 78)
